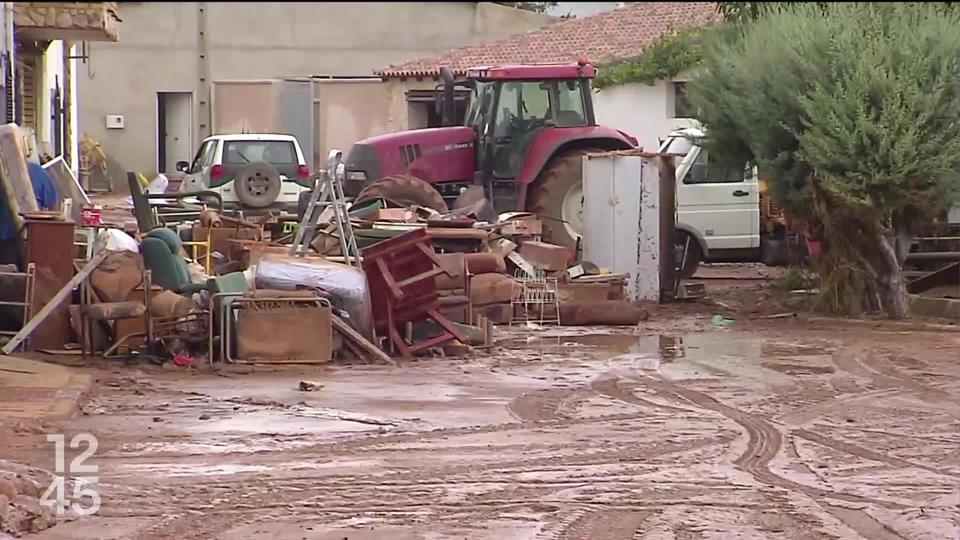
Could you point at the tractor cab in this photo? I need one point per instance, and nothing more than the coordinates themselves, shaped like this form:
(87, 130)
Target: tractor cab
(509, 106)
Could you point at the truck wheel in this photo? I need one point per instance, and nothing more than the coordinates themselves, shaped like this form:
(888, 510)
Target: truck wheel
(257, 185)
(557, 197)
(404, 189)
(688, 266)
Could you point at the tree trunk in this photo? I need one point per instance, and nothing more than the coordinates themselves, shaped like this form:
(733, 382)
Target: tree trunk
(893, 295)
(860, 265)
(904, 235)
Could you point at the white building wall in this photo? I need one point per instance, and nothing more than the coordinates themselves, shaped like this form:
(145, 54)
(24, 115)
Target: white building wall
(74, 123)
(50, 77)
(644, 111)
(52, 73)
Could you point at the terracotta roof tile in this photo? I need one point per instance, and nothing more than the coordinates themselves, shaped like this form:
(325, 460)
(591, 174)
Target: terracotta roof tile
(602, 38)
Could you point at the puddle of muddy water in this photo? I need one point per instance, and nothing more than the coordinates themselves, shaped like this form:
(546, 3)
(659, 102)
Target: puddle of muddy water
(703, 355)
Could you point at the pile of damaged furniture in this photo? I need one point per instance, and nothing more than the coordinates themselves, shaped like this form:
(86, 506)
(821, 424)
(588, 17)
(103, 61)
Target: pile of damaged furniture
(365, 281)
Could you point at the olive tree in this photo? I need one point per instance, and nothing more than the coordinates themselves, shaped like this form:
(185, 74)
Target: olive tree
(854, 111)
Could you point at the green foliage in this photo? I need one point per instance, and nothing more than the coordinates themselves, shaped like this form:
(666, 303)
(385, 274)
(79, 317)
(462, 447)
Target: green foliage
(672, 53)
(854, 109)
(794, 278)
(742, 12)
(537, 7)
(865, 96)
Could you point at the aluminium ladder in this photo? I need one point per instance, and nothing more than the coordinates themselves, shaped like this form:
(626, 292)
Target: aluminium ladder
(328, 194)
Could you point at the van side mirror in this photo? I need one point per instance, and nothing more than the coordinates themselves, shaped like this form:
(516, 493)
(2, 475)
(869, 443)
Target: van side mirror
(182, 166)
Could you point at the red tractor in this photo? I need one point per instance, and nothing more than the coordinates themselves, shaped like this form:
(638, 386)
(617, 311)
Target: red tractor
(525, 131)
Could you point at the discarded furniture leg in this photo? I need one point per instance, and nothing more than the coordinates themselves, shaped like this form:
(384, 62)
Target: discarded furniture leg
(359, 344)
(402, 275)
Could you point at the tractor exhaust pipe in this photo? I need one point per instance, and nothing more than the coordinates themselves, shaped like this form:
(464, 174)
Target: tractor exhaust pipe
(448, 107)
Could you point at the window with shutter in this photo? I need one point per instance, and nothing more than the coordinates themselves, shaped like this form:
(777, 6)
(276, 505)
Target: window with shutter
(27, 67)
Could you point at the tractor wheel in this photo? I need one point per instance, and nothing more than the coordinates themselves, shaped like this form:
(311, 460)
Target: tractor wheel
(557, 197)
(404, 189)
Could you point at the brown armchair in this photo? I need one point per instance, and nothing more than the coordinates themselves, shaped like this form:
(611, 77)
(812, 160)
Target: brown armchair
(454, 290)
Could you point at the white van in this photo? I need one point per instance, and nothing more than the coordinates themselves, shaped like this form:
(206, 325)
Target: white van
(718, 208)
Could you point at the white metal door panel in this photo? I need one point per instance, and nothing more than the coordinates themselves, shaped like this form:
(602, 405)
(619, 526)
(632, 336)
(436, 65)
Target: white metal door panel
(621, 220)
(646, 277)
(598, 176)
(178, 122)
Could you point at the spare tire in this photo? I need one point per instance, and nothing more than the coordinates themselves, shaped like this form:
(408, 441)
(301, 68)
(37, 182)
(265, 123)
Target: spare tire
(405, 190)
(257, 184)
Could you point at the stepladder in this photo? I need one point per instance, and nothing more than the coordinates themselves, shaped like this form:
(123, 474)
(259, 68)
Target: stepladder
(328, 194)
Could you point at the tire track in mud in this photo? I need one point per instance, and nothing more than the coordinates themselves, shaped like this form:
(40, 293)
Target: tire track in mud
(863, 523)
(542, 406)
(610, 388)
(763, 445)
(604, 525)
(887, 376)
(426, 484)
(866, 453)
(806, 415)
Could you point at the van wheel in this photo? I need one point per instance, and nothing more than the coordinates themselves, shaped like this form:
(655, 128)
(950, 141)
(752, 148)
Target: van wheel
(688, 265)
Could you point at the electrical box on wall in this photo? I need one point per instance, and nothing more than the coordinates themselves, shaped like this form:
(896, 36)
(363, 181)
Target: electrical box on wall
(114, 121)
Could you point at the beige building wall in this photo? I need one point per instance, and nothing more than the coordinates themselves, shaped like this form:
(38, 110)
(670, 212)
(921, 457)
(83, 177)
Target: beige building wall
(232, 110)
(161, 50)
(346, 112)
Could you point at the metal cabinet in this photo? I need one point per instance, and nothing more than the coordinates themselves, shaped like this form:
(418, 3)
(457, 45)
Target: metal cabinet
(621, 219)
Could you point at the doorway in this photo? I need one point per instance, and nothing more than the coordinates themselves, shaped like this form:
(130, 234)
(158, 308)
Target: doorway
(174, 129)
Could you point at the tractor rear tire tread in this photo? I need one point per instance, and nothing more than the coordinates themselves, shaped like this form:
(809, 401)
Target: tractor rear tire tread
(404, 189)
(561, 173)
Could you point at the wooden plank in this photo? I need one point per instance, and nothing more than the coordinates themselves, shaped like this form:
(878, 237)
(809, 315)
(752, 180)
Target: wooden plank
(14, 176)
(54, 302)
(361, 342)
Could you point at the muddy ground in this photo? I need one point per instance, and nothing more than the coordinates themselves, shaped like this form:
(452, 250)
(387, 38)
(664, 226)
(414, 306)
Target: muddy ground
(678, 428)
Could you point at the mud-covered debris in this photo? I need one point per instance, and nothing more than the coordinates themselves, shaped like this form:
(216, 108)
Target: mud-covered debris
(310, 386)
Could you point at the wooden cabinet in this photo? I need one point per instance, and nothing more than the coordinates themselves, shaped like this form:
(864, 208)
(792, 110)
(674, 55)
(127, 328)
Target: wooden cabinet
(50, 247)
